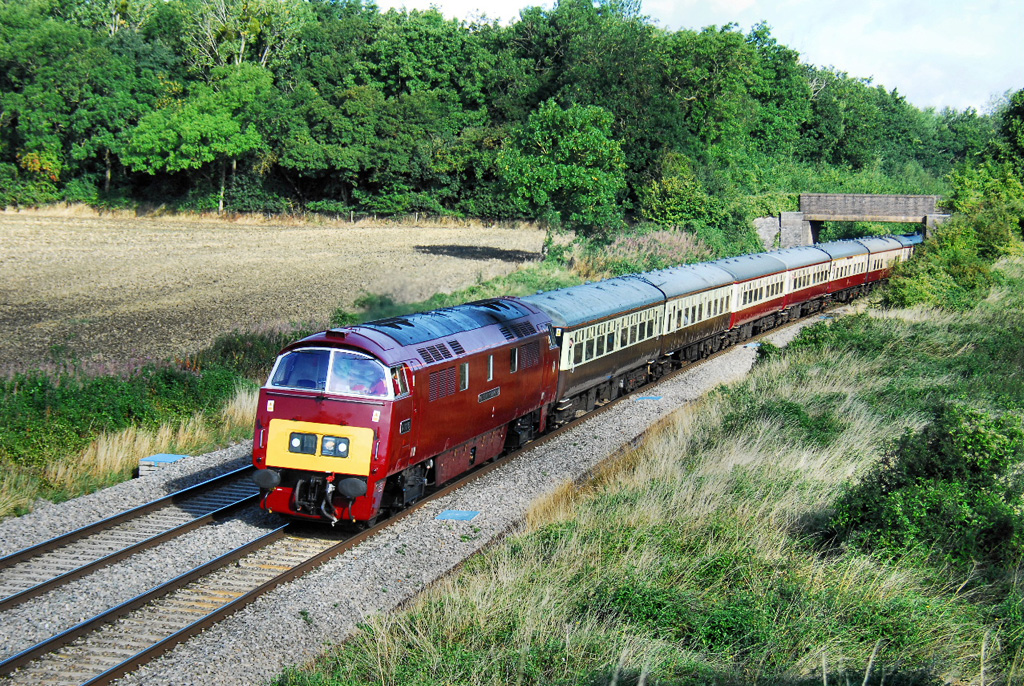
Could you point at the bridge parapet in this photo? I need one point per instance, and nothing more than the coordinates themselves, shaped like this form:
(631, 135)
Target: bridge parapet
(862, 207)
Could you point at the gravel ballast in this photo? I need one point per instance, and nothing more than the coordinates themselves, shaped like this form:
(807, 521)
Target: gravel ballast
(296, 622)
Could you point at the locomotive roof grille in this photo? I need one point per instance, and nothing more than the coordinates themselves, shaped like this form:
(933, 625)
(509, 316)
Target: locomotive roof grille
(415, 329)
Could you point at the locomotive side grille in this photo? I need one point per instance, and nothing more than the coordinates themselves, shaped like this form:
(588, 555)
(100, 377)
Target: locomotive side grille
(457, 347)
(426, 355)
(530, 355)
(444, 351)
(442, 383)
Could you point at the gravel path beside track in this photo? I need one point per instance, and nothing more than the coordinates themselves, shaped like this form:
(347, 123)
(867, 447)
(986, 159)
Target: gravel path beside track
(294, 623)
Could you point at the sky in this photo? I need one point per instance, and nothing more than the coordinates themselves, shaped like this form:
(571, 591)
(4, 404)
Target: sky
(936, 53)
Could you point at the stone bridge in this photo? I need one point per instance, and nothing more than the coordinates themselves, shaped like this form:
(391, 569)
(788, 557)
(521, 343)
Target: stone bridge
(790, 229)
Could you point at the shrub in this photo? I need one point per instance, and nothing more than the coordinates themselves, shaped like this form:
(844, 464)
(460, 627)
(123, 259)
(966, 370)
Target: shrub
(953, 488)
(630, 254)
(248, 354)
(948, 271)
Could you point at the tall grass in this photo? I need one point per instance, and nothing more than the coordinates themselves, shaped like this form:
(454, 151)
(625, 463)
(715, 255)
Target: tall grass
(113, 456)
(360, 219)
(702, 557)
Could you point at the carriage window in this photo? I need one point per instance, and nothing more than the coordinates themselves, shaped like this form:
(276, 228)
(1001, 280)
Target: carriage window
(650, 328)
(577, 354)
(600, 346)
(624, 338)
(632, 334)
(590, 350)
(611, 342)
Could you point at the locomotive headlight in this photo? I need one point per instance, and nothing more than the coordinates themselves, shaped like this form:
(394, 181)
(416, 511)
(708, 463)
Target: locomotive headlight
(333, 446)
(302, 443)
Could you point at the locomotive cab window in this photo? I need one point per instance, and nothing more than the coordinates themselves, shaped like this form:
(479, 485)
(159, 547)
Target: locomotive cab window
(400, 380)
(555, 337)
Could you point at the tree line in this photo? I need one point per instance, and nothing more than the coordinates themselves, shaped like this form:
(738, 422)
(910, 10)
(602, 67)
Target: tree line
(582, 115)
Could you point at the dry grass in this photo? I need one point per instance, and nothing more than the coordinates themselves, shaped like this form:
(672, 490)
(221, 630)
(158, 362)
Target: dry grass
(631, 254)
(119, 452)
(918, 314)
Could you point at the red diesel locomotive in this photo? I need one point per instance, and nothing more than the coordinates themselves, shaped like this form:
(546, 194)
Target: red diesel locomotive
(419, 399)
(361, 420)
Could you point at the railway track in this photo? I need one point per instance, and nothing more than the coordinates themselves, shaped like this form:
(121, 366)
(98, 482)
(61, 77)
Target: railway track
(115, 643)
(42, 568)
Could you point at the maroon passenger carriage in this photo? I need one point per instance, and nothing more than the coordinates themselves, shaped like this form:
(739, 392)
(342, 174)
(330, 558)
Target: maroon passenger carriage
(361, 419)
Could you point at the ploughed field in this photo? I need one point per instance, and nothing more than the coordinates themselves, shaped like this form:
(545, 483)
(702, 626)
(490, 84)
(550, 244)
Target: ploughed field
(105, 290)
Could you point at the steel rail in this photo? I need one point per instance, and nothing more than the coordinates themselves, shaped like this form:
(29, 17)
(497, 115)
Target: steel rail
(114, 520)
(69, 635)
(151, 542)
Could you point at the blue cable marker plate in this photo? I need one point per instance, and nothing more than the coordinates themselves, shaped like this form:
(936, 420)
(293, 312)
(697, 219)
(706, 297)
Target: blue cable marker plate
(648, 397)
(163, 457)
(459, 515)
(755, 344)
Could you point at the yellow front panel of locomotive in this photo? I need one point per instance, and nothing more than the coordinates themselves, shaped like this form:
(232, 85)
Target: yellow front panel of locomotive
(360, 447)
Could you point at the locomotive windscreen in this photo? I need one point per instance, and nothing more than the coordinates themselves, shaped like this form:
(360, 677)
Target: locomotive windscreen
(334, 371)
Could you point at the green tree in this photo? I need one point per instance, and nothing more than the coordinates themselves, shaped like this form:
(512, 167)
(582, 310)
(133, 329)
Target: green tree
(216, 123)
(44, 71)
(1012, 130)
(781, 88)
(120, 89)
(565, 166)
(110, 16)
(707, 72)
